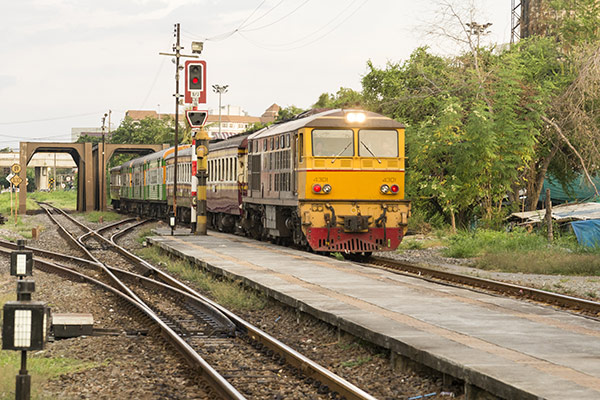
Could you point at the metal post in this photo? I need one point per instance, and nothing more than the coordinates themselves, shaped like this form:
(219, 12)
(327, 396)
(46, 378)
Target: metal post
(102, 196)
(202, 153)
(23, 384)
(177, 49)
(54, 175)
(177, 55)
(220, 90)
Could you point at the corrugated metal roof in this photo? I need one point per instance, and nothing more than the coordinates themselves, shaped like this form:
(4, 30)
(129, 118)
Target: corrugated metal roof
(562, 213)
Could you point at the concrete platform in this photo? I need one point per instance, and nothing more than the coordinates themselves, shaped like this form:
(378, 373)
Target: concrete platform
(512, 349)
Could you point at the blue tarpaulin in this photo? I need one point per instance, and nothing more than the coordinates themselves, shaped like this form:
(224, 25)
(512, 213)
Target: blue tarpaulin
(587, 232)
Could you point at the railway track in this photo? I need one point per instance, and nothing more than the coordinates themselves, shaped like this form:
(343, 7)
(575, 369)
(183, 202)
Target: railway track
(234, 356)
(575, 304)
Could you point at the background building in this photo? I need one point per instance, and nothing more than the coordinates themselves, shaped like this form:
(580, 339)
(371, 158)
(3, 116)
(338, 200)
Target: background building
(234, 119)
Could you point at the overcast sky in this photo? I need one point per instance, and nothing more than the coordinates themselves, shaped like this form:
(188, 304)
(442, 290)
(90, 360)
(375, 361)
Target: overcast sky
(67, 62)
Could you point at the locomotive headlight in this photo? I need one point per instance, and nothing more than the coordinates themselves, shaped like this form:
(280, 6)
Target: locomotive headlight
(384, 188)
(356, 117)
(326, 188)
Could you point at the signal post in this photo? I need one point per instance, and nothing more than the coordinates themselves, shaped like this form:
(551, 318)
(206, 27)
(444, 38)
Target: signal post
(195, 93)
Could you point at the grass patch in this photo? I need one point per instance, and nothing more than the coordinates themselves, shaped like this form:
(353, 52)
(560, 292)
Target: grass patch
(40, 368)
(144, 235)
(552, 262)
(355, 363)
(520, 251)
(10, 229)
(227, 293)
(66, 200)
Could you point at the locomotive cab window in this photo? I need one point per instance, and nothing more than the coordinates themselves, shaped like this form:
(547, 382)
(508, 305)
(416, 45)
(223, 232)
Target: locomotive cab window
(377, 143)
(333, 143)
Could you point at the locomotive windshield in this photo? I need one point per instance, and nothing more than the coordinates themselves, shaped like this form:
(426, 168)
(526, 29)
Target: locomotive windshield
(332, 143)
(377, 143)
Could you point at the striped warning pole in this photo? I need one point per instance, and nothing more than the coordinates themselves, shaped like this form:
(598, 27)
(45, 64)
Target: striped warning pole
(201, 152)
(193, 194)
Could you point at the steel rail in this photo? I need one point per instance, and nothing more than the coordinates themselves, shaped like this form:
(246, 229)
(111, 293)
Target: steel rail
(303, 364)
(569, 302)
(220, 384)
(308, 367)
(82, 247)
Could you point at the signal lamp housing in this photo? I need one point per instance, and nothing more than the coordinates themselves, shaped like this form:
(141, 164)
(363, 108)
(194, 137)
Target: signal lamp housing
(316, 188)
(395, 189)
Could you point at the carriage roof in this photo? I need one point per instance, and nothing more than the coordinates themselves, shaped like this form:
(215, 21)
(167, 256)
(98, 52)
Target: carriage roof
(328, 119)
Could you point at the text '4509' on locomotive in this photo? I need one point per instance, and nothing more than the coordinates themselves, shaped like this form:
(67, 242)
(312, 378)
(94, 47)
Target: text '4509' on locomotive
(332, 180)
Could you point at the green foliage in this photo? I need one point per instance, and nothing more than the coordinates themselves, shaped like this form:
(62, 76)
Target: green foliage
(287, 113)
(344, 98)
(473, 128)
(575, 22)
(147, 131)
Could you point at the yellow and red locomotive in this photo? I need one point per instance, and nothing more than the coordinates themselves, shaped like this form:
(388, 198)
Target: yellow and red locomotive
(333, 180)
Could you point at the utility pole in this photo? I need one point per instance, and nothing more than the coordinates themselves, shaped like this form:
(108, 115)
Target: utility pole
(177, 53)
(220, 90)
(102, 196)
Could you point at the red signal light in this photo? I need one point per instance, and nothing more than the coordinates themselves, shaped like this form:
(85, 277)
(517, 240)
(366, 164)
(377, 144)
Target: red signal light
(316, 188)
(195, 80)
(395, 188)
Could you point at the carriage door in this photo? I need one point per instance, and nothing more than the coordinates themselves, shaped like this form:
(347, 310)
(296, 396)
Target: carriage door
(255, 165)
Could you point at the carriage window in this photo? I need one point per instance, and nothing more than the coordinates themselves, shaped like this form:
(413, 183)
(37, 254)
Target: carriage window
(287, 140)
(264, 144)
(377, 143)
(282, 141)
(300, 147)
(272, 145)
(333, 143)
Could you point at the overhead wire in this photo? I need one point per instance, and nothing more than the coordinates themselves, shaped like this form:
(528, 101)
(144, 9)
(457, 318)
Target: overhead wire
(50, 118)
(243, 25)
(225, 35)
(162, 63)
(277, 20)
(278, 47)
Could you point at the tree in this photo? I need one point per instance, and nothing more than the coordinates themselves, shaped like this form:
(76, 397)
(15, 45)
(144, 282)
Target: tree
(287, 113)
(147, 131)
(344, 98)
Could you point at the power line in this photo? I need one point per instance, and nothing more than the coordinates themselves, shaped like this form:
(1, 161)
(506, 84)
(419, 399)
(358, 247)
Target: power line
(162, 63)
(277, 47)
(277, 20)
(49, 119)
(266, 13)
(228, 34)
(251, 14)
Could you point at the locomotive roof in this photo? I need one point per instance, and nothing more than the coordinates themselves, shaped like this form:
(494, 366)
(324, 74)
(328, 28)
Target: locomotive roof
(328, 119)
(236, 141)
